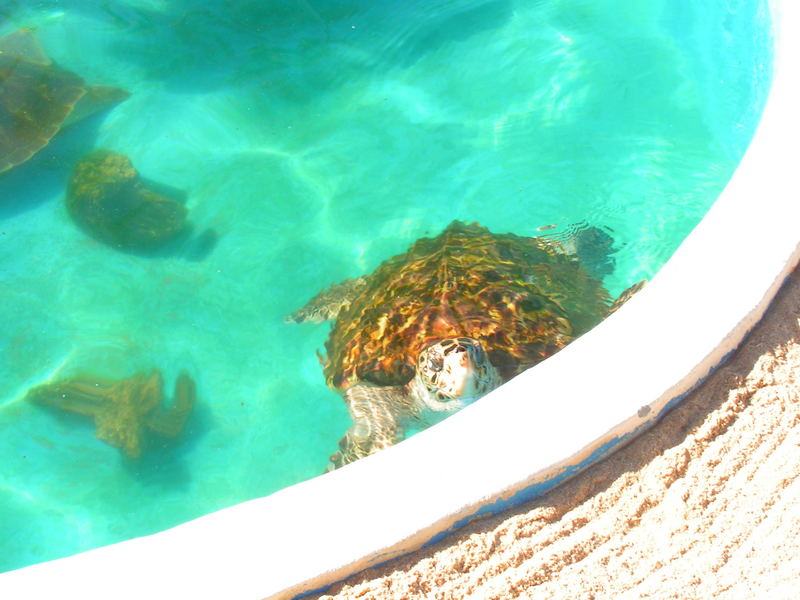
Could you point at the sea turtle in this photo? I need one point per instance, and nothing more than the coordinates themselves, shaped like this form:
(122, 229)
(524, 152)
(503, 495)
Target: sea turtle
(109, 199)
(437, 327)
(38, 98)
(125, 410)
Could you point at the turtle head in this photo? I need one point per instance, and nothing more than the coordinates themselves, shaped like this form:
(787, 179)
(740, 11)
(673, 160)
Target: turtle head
(455, 369)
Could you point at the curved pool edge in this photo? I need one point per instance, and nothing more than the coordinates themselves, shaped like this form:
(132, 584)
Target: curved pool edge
(605, 388)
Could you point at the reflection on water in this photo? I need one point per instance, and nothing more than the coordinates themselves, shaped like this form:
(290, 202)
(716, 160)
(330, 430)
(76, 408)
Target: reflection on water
(273, 148)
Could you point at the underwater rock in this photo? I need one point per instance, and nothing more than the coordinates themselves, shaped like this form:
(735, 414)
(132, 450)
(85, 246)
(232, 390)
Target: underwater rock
(38, 98)
(125, 411)
(110, 201)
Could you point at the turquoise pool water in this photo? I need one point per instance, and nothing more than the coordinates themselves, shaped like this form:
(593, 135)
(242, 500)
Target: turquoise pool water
(315, 139)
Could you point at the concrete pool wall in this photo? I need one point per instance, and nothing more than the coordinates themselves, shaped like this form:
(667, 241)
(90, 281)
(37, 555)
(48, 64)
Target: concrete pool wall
(521, 440)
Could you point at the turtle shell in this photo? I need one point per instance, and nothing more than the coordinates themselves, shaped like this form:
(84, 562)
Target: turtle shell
(37, 98)
(107, 197)
(523, 298)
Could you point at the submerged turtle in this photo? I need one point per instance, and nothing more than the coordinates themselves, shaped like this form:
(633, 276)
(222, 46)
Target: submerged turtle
(109, 199)
(38, 98)
(435, 328)
(126, 410)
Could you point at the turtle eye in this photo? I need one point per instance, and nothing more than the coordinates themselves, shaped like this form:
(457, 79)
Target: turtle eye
(436, 364)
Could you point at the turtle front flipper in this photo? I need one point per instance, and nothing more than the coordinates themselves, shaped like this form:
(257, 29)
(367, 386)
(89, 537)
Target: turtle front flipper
(96, 98)
(169, 422)
(626, 295)
(328, 303)
(377, 412)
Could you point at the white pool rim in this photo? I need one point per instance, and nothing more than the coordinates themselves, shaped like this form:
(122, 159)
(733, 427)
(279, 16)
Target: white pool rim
(517, 443)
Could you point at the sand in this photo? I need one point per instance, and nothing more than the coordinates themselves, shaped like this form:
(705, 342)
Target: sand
(704, 505)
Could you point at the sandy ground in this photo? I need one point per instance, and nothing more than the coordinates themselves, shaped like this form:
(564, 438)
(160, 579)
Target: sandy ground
(704, 505)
